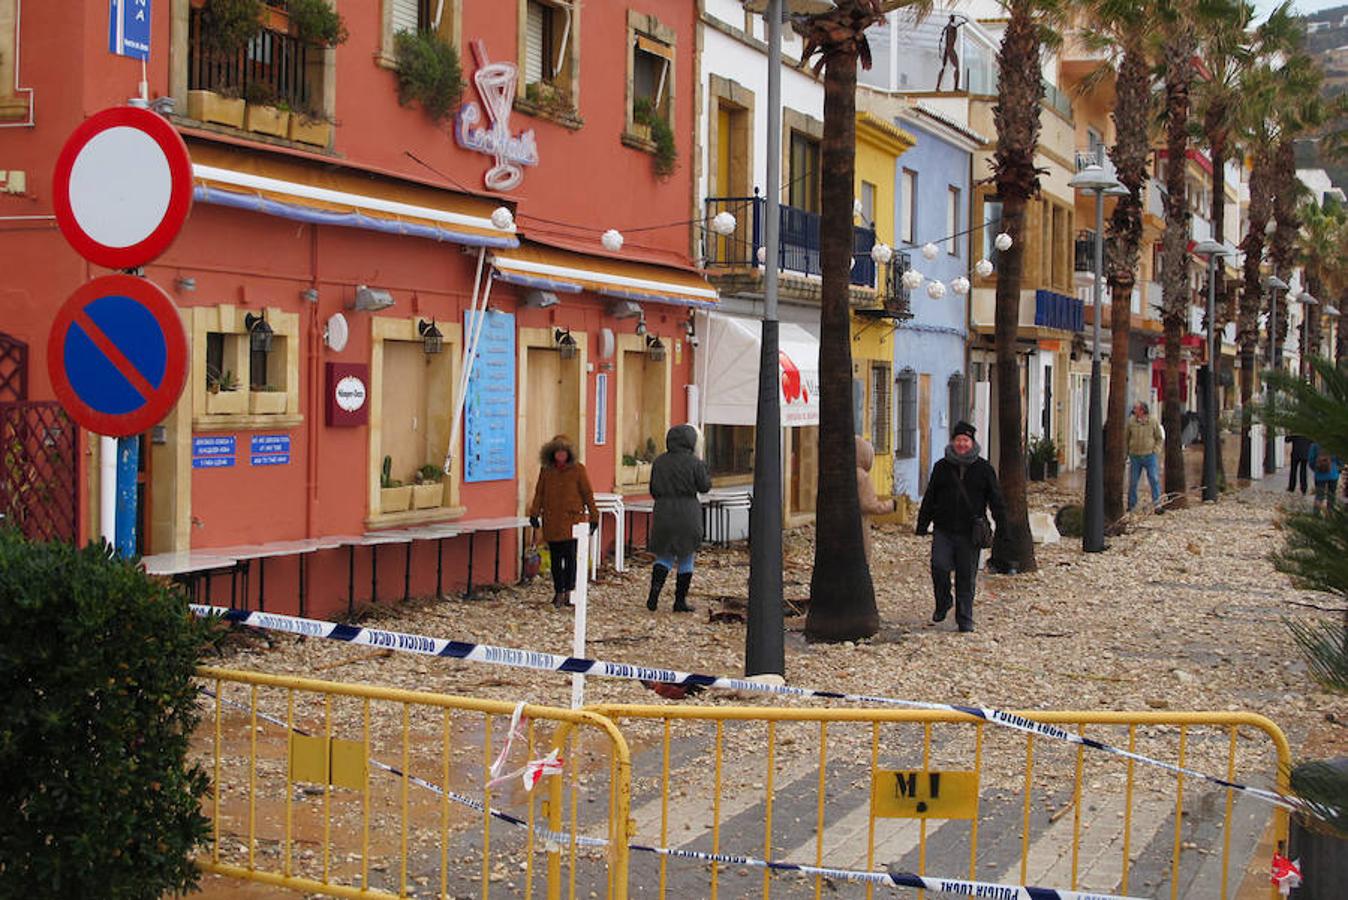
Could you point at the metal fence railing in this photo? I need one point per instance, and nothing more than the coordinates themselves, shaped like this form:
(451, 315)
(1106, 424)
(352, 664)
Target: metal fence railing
(275, 67)
(799, 240)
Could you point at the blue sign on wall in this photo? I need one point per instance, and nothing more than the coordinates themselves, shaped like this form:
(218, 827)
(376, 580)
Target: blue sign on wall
(489, 404)
(213, 451)
(270, 459)
(269, 450)
(129, 28)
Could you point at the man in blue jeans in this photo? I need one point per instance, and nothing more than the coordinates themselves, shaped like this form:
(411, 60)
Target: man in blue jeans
(1145, 440)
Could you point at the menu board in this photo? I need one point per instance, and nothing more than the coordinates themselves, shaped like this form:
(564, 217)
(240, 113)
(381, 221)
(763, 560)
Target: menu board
(489, 403)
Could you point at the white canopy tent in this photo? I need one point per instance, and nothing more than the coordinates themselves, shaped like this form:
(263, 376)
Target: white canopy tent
(727, 371)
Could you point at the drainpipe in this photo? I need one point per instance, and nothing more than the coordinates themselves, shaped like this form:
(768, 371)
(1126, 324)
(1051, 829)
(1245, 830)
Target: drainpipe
(312, 397)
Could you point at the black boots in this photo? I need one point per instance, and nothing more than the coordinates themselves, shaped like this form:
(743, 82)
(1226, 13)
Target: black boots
(658, 575)
(681, 584)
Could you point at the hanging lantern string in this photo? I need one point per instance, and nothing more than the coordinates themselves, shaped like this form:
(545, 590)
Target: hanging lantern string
(970, 230)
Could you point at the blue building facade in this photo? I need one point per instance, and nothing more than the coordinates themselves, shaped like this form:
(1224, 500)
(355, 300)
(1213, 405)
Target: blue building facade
(933, 190)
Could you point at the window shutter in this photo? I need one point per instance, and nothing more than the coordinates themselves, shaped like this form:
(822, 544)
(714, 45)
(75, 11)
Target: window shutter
(534, 25)
(405, 16)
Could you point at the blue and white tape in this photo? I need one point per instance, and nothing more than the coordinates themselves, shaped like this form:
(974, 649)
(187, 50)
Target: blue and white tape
(551, 662)
(892, 878)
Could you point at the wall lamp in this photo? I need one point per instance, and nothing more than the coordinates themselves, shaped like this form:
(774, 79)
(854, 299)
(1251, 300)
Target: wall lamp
(259, 333)
(641, 325)
(655, 348)
(432, 341)
(566, 344)
(371, 299)
(185, 285)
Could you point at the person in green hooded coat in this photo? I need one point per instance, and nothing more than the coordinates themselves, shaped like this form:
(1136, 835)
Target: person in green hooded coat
(677, 477)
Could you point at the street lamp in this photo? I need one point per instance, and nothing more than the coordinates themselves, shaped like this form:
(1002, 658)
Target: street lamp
(1213, 250)
(1274, 284)
(1306, 301)
(1094, 178)
(764, 638)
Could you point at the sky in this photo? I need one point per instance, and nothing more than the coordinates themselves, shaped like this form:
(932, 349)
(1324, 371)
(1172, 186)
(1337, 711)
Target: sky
(1302, 6)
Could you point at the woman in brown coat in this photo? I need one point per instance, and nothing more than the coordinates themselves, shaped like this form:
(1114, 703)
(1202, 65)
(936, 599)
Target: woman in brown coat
(562, 498)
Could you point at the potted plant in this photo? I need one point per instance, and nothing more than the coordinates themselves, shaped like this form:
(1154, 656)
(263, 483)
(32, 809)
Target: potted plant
(223, 396)
(627, 472)
(228, 25)
(645, 456)
(309, 126)
(1042, 453)
(394, 496)
(316, 22)
(666, 153)
(428, 491)
(266, 400)
(642, 113)
(223, 107)
(428, 73)
(265, 114)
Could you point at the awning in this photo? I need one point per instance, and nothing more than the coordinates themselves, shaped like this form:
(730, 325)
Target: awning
(549, 268)
(727, 371)
(297, 190)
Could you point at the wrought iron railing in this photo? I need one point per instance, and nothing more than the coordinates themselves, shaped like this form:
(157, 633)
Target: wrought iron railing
(799, 239)
(896, 298)
(275, 67)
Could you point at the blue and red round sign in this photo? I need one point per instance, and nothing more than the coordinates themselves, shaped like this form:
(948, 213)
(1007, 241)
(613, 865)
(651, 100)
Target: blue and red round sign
(117, 355)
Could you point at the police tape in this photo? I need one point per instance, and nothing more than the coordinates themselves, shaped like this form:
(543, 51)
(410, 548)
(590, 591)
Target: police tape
(551, 662)
(892, 878)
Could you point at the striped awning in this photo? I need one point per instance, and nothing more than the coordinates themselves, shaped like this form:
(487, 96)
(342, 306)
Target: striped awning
(550, 268)
(298, 190)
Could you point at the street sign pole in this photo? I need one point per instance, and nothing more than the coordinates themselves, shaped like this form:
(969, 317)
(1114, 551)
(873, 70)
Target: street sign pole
(128, 463)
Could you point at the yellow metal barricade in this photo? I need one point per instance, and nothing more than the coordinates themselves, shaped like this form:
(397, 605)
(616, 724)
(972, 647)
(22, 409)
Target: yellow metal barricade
(360, 791)
(949, 795)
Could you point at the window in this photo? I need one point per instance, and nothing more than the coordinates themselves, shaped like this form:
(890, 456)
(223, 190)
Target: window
(906, 386)
(730, 449)
(907, 206)
(992, 214)
(548, 42)
(1062, 247)
(868, 204)
(419, 15)
(956, 399)
(14, 100)
(650, 73)
(880, 399)
(952, 220)
(643, 407)
(804, 186)
(233, 384)
(1095, 142)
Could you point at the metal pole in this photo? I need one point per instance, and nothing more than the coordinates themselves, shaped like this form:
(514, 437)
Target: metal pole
(764, 641)
(1093, 534)
(1270, 464)
(1211, 437)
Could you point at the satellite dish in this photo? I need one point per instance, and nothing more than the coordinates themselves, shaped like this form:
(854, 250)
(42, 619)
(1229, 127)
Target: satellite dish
(606, 343)
(336, 333)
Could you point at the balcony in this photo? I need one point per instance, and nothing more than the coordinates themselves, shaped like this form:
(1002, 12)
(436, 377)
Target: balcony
(799, 240)
(274, 68)
(1052, 310)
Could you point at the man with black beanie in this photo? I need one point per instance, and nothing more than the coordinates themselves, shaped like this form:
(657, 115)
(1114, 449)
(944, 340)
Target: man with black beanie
(962, 488)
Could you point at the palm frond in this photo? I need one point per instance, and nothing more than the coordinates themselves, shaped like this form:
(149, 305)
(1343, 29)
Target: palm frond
(1323, 787)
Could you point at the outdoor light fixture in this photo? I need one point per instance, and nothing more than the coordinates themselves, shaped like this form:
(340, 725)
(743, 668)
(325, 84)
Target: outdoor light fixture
(882, 253)
(186, 285)
(612, 240)
(929, 250)
(566, 344)
(503, 218)
(655, 348)
(625, 309)
(723, 223)
(960, 286)
(540, 299)
(935, 290)
(982, 268)
(309, 295)
(1002, 241)
(259, 333)
(912, 279)
(432, 341)
(641, 325)
(1212, 250)
(370, 299)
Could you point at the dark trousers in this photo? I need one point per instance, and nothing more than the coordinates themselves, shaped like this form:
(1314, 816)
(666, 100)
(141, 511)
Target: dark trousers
(951, 553)
(563, 565)
(1298, 468)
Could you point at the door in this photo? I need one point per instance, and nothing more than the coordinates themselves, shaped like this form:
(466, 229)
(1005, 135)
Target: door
(923, 431)
(552, 383)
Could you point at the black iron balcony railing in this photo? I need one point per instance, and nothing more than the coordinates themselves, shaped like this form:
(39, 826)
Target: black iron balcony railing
(799, 239)
(274, 67)
(896, 298)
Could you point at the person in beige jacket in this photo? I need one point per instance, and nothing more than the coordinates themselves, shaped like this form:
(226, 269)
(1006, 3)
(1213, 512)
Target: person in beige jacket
(871, 505)
(1145, 439)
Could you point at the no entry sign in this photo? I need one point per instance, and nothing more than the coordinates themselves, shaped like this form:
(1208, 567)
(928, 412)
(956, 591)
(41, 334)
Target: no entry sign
(122, 187)
(117, 355)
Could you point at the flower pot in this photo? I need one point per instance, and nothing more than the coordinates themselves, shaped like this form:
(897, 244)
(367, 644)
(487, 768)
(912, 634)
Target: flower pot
(395, 499)
(627, 474)
(268, 403)
(643, 473)
(1051, 469)
(316, 132)
(208, 106)
(222, 403)
(1036, 470)
(266, 120)
(641, 130)
(427, 496)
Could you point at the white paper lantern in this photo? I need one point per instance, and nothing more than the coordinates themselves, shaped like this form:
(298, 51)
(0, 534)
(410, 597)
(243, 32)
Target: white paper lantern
(960, 286)
(912, 279)
(502, 218)
(935, 290)
(929, 250)
(882, 253)
(762, 255)
(1002, 241)
(612, 240)
(857, 208)
(982, 268)
(723, 223)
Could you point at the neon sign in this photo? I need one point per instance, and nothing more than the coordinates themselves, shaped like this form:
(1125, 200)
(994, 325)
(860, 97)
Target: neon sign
(496, 86)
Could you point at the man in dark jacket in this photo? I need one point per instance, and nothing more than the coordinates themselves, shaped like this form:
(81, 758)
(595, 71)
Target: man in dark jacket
(1301, 454)
(962, 487)
(677, 477)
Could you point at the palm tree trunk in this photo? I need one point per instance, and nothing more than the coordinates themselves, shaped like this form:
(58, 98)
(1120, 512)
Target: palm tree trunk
(1016, 117)
(1217, 146)
(842, 597)
(1179, 52)
(1131, 94)
(1251, 298)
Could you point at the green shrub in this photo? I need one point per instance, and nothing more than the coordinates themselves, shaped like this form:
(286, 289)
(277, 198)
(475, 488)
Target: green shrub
(228, 25)
(428, 73)
(1042, 449)
(1068, 521)
(666, 153)
(97, 659)
(316, 22)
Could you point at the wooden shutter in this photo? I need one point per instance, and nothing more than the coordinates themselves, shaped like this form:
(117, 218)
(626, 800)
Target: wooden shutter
(534, 25)
(405, 15)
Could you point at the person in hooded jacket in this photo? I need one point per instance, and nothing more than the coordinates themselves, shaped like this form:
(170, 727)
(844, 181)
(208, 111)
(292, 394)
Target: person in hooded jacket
(871, 505)
(562, 499)
(677, 477)
(1326, 467)
(962, 487)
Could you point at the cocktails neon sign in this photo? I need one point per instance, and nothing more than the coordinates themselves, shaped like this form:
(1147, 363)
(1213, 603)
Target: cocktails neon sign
(496, 86)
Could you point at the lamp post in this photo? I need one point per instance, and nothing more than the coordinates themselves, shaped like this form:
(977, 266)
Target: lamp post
(1306, 301)
(1274, 284)
(764, 639)
(1095, 178)
(1213, 251)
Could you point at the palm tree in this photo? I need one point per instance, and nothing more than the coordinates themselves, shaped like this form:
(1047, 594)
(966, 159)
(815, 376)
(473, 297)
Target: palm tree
(1020, 90)
(842, 597)
(1323, 247)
